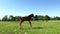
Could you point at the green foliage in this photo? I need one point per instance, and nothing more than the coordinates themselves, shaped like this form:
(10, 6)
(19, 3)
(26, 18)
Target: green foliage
(57, 18)
(12, 18)
(5, 18)
(36, 17)
(47, 17)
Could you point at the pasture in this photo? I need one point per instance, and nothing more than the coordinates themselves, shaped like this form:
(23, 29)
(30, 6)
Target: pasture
(38, 27)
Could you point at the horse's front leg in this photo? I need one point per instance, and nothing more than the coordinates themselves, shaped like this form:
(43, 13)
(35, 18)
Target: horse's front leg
(30, 24)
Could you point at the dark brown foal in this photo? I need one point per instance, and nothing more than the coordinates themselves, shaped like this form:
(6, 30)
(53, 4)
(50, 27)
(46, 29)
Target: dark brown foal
(26, 18)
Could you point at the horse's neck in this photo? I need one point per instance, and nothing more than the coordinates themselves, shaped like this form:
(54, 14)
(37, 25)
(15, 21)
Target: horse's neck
(29, 16)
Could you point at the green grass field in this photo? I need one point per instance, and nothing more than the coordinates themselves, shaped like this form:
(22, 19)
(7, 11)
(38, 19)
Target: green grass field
(39, 27)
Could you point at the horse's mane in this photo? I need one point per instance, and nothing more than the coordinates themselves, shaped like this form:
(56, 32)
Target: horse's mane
(31, 15)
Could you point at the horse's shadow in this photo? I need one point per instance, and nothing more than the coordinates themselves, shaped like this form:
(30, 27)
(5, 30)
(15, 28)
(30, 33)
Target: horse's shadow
(37, 27)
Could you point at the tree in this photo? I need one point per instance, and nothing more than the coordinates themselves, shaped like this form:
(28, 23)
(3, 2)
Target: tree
(41, 17)
(5, 18)
(57, 18)
(12, 18)
(36, 17)
(47, 17)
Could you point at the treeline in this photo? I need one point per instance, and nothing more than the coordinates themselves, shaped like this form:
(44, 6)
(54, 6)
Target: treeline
(36, 17)
(46, 17)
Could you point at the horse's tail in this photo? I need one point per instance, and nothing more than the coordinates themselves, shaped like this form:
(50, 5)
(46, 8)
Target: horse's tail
(18, 18)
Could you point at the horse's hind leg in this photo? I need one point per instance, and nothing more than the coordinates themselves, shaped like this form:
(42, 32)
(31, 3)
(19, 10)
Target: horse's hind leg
(21, 24)
(30, 24)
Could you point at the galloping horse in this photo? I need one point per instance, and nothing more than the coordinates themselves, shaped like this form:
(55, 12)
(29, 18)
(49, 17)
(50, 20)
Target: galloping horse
(26, 18)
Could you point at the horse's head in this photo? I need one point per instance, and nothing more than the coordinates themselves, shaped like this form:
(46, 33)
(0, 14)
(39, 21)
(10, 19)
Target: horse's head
(31, 15)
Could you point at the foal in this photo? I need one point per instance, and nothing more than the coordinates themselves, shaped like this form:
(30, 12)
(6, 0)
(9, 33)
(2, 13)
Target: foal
(26, 18)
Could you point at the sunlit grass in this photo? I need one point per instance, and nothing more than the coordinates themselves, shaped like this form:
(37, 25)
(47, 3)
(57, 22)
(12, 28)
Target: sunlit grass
(39, 27)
